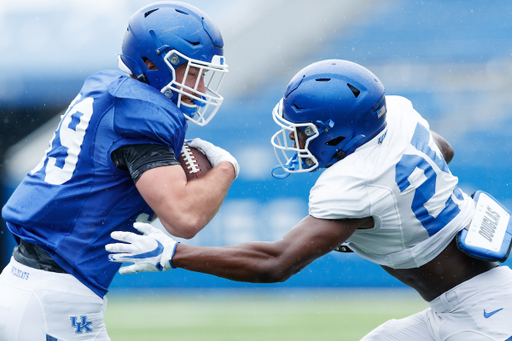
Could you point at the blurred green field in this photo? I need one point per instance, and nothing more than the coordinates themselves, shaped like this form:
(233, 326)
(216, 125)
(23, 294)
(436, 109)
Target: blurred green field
(237, 315)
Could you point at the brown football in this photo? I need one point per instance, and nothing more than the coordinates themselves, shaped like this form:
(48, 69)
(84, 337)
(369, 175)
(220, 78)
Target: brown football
(194, 162)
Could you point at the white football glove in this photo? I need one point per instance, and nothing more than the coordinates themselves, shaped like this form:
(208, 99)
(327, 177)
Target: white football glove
(214, 154)
(152, 251)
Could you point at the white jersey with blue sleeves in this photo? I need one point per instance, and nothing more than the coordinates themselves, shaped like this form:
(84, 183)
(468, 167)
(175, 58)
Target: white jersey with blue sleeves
(401, 179)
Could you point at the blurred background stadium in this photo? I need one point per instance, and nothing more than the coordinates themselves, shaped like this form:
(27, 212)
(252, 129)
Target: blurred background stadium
(451, 58)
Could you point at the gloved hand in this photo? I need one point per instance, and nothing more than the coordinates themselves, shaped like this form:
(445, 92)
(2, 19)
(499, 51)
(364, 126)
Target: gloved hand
(214, 154)
(152, 251)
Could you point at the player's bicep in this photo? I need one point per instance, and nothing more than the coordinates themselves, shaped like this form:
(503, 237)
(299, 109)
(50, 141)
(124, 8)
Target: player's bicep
(312, 238)
(160, 186)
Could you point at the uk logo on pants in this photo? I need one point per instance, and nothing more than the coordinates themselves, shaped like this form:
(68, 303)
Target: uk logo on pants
(81, 325)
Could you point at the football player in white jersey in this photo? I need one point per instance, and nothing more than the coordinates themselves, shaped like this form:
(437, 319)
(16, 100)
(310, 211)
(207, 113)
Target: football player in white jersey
(386, 193)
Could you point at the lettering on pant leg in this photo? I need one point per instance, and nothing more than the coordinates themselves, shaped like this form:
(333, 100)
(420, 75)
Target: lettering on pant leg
(81, 325)
(20, 274)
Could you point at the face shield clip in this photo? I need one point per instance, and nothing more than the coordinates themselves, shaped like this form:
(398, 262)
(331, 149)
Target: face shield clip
(324, 126)
(161, 49)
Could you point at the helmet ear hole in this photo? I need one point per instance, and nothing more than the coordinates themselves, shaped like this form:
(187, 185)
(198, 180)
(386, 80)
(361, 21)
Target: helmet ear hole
(149, 64)
(336, 141)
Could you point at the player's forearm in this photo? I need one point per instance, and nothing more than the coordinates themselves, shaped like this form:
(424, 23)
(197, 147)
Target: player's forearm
(266, 262)
(201, 201)
(256, 262)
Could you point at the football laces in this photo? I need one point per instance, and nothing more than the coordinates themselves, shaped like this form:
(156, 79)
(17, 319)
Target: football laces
(190, 159)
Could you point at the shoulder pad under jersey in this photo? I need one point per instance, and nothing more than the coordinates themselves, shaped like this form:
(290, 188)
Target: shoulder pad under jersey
(144, 115)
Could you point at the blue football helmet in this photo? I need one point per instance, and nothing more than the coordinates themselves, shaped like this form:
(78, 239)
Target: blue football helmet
(170, 34)
(338, 105)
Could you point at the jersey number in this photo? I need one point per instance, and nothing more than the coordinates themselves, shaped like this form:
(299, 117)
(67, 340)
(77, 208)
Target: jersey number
(66, 143)
(426, 191)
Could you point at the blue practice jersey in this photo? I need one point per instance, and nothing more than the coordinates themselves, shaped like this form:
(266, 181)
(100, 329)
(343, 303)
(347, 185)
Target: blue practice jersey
(71, 202)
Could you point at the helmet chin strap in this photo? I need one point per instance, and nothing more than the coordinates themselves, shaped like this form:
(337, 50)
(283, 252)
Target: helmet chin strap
(188, 109)
(342, 153)
(142, 77)
(276, 175)
(122, 65)
(191, 109)
(353, 145)
(292, 164)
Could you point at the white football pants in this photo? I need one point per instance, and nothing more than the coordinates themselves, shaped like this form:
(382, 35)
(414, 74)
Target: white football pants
(479, 309)
(37, 305)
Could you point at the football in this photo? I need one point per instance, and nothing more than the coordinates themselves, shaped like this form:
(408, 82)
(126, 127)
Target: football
(194, 162)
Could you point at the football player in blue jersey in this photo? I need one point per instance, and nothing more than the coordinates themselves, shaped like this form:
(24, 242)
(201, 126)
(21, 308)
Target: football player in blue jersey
(386, 193)
(113, 161)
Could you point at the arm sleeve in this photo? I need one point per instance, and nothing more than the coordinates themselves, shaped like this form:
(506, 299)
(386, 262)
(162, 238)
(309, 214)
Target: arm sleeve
(139, 158)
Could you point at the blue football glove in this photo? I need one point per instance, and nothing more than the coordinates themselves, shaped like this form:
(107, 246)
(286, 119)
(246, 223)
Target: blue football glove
(152, 251)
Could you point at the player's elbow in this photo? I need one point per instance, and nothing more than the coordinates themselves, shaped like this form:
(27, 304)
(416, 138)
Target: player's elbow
(185, 234)
(444, 146)
(274, 272)
(185, 228)
(448, 155)
(275, 277)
